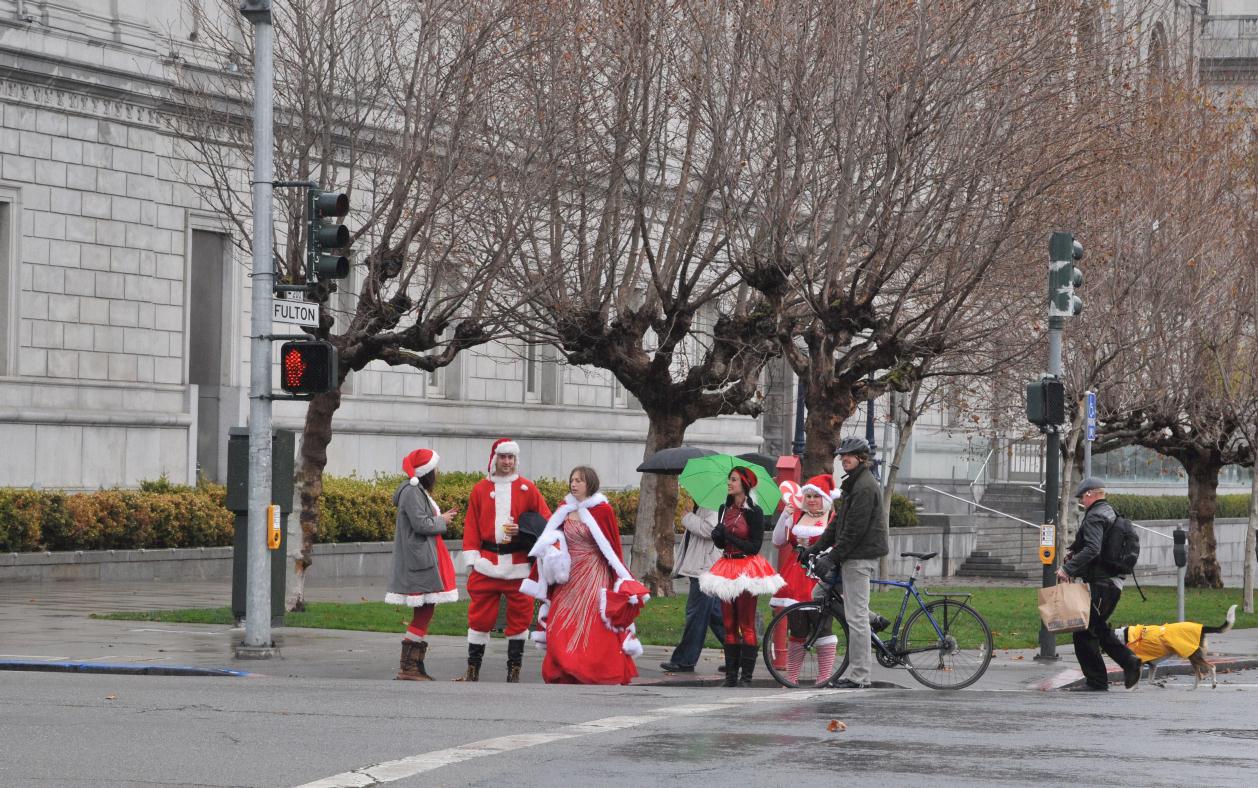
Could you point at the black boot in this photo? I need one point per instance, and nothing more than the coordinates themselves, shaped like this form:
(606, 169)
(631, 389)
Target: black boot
(515, 658)
(475, 653)
(731, 665)
(747, 664)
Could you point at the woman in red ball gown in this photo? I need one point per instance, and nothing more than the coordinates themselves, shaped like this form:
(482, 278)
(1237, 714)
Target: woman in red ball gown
(802, 529)
(740, 575)
(589, 597)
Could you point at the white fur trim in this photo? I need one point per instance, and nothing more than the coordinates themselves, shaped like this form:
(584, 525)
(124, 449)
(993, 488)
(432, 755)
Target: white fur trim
(812, 488)
(521, 635)
(469, 558)
(632, 646)
(836, 493)
(508, 447)
(533, 588)
(478, 637)
(807, 531)
(552, 535)
(727, 589)
(781, 601)
(828, 640)
(500, 571)
(425, 468)
(554, 567)
(502, 509)
(418, 600)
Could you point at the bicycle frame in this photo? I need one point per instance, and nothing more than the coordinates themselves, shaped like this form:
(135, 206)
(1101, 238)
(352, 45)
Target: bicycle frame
(834, 603)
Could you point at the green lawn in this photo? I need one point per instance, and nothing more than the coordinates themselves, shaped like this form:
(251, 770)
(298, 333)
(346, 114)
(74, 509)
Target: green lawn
(1011, 613)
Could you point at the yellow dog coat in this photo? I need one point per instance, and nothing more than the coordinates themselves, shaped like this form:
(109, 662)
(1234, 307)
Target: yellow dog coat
(1154, 642)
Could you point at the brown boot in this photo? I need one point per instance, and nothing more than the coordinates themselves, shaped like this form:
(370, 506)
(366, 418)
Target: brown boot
(475, 653)
(412, 665)
(515, 657)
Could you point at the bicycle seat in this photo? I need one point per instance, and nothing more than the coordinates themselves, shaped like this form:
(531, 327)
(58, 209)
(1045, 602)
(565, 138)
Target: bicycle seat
(923, 556)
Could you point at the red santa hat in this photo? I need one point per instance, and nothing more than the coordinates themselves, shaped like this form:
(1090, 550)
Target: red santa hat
(502, 446)
(419, 463)
(822, 484)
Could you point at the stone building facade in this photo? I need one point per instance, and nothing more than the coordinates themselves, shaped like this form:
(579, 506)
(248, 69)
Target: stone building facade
(124, 300)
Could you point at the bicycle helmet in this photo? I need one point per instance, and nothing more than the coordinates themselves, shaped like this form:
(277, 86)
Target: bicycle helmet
(853, 445)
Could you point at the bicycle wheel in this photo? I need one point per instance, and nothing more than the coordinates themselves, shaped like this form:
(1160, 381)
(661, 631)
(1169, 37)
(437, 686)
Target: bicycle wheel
(957, 659)
(809, 632)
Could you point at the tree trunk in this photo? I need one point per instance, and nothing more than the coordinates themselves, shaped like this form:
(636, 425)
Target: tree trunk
(823, 422)
(315, 437)
(904, 431)
(1203, 484)
(1072, 453)
(653, 534)
(1251, 538)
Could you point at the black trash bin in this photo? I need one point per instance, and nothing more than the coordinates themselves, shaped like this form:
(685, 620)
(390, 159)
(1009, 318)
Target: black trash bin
(282, 443)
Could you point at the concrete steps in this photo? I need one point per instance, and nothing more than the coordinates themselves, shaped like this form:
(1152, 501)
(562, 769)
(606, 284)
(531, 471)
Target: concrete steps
(1007, 549)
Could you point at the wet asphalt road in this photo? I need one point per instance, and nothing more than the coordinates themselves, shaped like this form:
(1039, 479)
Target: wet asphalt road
(73, 730)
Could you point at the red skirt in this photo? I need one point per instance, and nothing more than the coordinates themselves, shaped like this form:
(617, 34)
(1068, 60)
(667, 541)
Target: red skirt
(730, 577)
(799, 586)
(449, 590)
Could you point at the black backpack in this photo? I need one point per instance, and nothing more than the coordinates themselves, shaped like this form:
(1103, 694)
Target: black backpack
(1120, 547)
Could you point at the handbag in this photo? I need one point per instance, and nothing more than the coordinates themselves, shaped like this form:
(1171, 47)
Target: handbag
(1066, 607)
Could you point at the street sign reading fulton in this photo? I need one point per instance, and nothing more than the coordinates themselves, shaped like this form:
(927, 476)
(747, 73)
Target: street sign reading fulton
(297, 313)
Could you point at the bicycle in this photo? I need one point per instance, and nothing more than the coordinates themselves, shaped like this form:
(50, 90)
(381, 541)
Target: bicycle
(944, 644)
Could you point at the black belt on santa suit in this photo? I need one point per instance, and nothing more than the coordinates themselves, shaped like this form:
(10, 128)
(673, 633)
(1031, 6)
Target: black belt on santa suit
(503, 549)
(734, 555)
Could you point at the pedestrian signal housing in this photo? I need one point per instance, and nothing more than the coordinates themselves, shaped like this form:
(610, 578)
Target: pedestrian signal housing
(308, 367)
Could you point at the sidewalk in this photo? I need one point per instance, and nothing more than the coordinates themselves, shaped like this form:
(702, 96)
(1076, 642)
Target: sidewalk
(45, 623)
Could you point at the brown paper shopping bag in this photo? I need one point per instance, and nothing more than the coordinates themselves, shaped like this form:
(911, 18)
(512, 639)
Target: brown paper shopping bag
(1065, 607)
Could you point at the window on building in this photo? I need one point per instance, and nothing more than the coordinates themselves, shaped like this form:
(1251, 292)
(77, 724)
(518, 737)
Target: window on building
(1159, 54)
(9, 283)
(532, 376)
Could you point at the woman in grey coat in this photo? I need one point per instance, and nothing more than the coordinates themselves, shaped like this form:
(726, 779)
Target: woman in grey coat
(423, 572)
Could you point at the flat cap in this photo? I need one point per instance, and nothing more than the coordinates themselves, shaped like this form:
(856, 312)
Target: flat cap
(1088, 483)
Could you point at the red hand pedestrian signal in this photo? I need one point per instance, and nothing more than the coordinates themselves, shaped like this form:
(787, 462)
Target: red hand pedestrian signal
(308, 367)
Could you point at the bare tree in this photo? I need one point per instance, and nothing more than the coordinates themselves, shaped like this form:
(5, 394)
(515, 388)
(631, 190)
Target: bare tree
(404, 106)
(1175, 391)
(944, 129)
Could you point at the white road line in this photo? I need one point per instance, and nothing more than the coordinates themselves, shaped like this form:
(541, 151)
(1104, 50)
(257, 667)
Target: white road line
(410, 766)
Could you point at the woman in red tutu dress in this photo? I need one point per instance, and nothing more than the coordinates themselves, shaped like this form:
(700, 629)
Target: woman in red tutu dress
(589, 599)
(423, 572)
(802, 529)
(740, 575)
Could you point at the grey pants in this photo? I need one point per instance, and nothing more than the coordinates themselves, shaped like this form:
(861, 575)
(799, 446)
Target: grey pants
(856, 573)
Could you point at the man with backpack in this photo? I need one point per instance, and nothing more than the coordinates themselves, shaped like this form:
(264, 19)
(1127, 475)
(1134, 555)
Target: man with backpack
(1101, 553)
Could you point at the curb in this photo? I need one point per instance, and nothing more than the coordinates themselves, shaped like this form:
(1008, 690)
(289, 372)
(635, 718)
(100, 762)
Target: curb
(121, 669)
(718, 681)
(1177, 667)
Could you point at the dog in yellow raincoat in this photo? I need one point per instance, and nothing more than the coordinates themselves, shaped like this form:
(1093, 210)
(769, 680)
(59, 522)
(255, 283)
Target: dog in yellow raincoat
(1186, 639)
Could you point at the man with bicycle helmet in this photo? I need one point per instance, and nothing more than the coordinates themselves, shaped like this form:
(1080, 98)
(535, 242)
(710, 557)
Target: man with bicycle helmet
(855, 540)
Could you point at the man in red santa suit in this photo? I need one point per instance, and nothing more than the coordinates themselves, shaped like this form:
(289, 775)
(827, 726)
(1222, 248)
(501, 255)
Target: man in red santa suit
(496, 559)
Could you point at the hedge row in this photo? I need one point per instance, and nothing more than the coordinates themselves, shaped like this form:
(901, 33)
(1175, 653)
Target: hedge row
(361, 510)
(113, 519)
(1174, 507)
(161, 514)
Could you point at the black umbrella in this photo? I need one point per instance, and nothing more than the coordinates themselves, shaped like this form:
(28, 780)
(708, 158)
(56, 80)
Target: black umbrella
(672, 461)
(770, 464)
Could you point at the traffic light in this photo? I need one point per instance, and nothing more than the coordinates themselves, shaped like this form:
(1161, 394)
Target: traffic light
(326, 235)
(308, 367)
(1046, 402)
(1063, 276)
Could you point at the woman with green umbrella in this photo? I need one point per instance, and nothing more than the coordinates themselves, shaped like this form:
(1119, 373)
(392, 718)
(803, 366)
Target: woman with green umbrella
(740, 574)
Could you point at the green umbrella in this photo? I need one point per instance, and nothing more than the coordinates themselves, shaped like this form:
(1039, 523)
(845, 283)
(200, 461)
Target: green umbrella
(706, 479)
